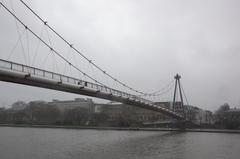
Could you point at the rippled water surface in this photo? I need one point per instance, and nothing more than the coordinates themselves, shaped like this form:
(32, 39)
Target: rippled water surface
(44, 143)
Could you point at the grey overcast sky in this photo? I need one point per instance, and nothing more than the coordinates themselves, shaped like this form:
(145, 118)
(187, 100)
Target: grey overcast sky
(143, 43)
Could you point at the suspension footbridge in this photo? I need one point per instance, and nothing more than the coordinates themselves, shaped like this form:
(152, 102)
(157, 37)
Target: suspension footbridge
(25, 74)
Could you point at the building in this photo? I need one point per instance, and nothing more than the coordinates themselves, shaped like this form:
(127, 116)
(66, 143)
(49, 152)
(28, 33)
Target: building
(72, 104)
(118, 111)
(193, 113)
(19, 105)
(228, 118)
(233, 115)
(199, 116)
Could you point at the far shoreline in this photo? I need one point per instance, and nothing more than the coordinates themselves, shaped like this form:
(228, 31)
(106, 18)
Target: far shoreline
(121, 128)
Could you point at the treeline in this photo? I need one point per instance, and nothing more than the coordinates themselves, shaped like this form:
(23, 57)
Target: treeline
(43, 113)
(227, 118)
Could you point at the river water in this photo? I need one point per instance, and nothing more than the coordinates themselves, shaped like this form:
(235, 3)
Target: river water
(47, 143)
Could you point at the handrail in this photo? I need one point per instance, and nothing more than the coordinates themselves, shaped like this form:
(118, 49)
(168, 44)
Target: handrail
(63, 78)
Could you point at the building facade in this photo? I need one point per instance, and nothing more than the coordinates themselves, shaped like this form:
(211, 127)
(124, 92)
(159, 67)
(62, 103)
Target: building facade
(118, 111)
(72, 104)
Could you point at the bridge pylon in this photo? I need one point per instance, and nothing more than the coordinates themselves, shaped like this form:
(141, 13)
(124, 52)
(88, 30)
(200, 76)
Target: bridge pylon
(178, 106)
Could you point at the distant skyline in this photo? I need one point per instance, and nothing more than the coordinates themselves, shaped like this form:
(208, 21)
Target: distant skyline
(142, 43)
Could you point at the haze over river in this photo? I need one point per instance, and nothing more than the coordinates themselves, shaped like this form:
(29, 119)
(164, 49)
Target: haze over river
(50, 143)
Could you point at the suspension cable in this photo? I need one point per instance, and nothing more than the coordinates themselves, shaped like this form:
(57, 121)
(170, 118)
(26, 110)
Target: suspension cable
(15, 46)
(156, 93)
(51, 49)
(162, 90)
(184, 95)
(37, 48)
(18, 32)
(80, 53)
(165, 91)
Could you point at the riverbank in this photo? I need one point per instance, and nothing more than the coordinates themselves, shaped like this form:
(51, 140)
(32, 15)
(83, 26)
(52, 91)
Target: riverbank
(122, 128)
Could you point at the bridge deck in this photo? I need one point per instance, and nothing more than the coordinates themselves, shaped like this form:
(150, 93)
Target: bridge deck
(26, 75)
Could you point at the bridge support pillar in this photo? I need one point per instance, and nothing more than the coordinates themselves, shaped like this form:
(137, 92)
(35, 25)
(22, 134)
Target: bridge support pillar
(178, 86)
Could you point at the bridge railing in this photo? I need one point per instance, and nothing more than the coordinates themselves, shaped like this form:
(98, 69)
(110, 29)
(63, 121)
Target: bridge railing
(66, 79)
(29, 71)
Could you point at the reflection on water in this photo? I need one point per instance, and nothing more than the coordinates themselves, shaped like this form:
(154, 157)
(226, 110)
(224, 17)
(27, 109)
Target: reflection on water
(38, 143)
